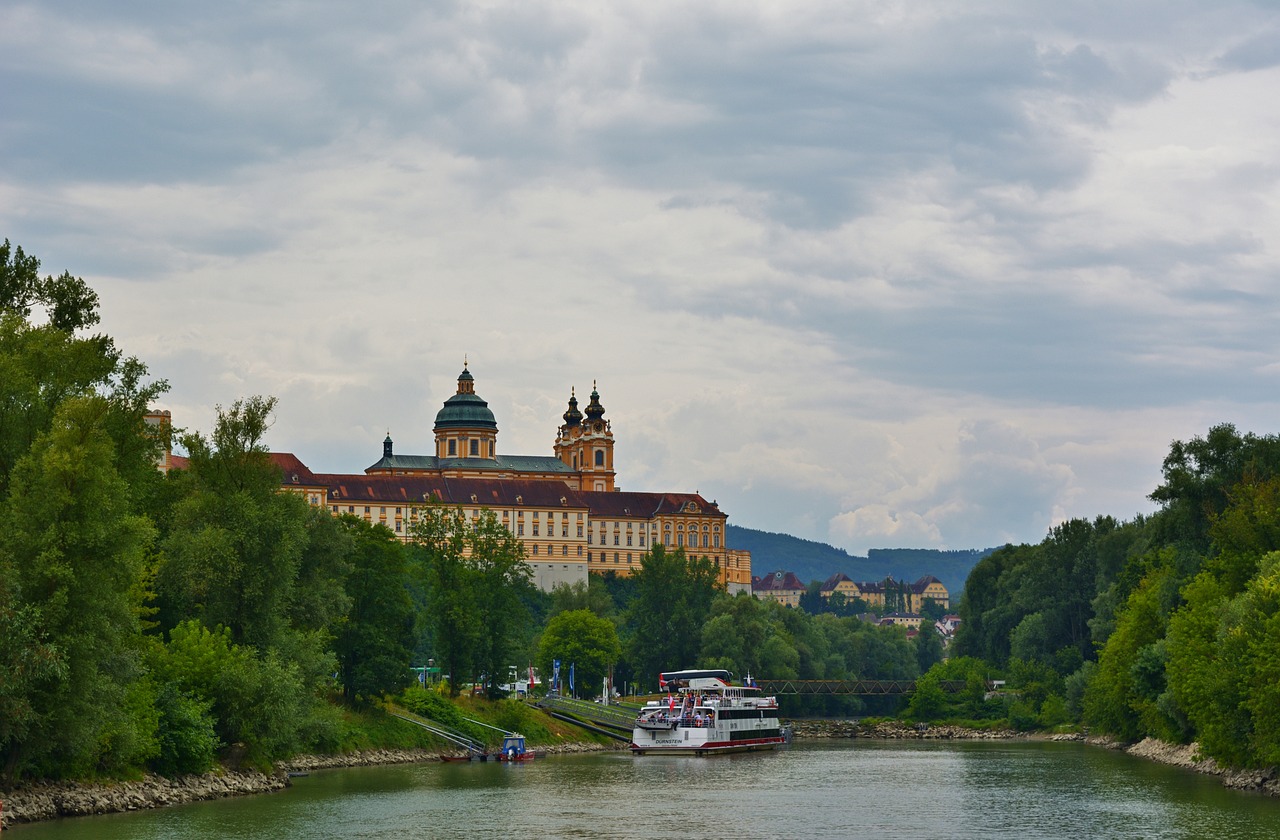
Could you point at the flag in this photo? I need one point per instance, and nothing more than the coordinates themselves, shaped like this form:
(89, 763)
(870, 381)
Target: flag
(571, 677)
(555, 674)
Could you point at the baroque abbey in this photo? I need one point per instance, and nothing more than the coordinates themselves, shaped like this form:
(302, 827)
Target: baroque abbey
(565, 507)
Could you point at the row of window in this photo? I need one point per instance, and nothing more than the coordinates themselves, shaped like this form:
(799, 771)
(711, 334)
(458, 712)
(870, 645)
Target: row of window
(473, 447)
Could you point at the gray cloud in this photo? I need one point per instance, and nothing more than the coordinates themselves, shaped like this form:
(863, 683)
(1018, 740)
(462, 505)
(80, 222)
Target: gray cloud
(933, 274)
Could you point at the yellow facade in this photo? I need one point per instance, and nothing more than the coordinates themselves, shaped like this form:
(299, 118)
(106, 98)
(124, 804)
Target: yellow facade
(565, 508)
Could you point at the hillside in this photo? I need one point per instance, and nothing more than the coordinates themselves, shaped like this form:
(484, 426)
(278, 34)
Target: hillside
(817, 561)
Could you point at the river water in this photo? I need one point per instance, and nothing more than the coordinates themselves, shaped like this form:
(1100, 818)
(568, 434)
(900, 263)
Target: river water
(980, 789)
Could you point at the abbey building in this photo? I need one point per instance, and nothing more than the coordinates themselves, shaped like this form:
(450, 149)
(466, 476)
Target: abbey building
(565, 507)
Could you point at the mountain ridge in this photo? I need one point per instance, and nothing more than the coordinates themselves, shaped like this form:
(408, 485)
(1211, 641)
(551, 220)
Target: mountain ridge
(811, 560)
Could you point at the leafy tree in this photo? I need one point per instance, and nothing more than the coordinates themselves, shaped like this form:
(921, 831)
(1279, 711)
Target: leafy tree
(235, 548)
(475, 578)
(672, 602)
(582, 596)
(584, 639)
(928, 646)
(1200, 474)
(76, 549)
(1114, 701)
(374, 639)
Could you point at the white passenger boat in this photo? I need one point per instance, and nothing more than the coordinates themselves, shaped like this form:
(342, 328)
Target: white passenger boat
(704, 714)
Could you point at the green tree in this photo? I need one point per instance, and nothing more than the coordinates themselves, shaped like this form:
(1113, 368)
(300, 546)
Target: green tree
(373, 641)
(672, 602)
(584, 639)
(476, 581)
(928, 646)
(236, 544)
(1114, 700)
(76, 549)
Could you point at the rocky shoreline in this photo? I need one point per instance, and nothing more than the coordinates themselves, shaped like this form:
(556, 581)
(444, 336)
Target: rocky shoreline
(52, 800)
(893, 730)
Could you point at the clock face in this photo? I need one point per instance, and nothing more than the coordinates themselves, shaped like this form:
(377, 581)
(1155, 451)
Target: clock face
(599, 427)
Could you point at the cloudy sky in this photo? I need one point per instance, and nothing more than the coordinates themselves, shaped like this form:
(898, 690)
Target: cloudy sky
(881, 274)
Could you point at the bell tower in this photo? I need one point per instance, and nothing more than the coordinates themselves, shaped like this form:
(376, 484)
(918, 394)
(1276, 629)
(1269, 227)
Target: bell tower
(585, 444)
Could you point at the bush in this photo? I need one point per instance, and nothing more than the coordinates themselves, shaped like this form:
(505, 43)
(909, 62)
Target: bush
(436, 707)
(188, 742)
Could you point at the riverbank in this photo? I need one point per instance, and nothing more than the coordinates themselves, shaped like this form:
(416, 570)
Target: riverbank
(893, 730)
(52, 800)
(1186, 756)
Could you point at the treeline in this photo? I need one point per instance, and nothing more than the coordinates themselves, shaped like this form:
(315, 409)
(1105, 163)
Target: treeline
(1166, 626)
(168, 621)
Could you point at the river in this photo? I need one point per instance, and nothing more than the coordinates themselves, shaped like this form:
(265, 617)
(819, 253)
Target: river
(900, 789)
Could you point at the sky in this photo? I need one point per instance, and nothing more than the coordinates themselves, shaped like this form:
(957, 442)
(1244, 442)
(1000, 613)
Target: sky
(879, 274)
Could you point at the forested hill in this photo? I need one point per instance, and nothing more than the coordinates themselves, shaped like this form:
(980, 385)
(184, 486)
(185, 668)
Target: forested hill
(818, 561)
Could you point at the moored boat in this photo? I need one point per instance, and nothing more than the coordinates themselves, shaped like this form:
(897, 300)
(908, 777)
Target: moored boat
(705, 714)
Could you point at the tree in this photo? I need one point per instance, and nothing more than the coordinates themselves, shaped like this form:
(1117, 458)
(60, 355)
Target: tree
(236, 544)
(474, 575)
(373, 641)
(928, 646)
(583, 639)
(672, 602)
(76, 549)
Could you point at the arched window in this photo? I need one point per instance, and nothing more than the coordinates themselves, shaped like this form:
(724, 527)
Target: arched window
(599, 457)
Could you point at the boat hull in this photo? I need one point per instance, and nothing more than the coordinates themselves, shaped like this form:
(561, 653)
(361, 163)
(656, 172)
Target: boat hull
(708, 748)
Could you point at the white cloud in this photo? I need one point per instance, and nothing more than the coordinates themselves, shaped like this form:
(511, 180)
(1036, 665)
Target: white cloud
(910, 272)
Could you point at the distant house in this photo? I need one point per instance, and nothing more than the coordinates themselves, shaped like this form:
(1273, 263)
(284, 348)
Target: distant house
(842, 583)
(909, 620)
(780, 586)
(929, 588)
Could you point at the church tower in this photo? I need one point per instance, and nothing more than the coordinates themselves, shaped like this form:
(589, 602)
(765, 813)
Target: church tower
(586, 444)
(465, 427)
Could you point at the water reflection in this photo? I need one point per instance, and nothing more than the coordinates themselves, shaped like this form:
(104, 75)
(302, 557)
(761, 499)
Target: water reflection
(827, 790)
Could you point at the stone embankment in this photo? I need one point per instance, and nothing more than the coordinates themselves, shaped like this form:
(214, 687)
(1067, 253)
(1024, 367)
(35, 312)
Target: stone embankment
(50, 800)
(1188, 756)
(887, 729)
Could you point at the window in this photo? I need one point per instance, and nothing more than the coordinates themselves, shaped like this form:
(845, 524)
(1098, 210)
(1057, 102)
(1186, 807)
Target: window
(520, 529)
(535, 530)
(564, 550)
(535, 551)
(453, 447)
(490, 449)
(579, 516)
(564, 532)
(599, 457)
(397, 511)
(366, 508)
(397, 526)
(475, 448)
(628, 539)
(642, 540)
(716, 540)
(615, 539)
(579, 551)
(579, 530)
(591, 538)
(615, 557)
(382, 510)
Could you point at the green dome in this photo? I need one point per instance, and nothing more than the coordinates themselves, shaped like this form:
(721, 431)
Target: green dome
(465, 411)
